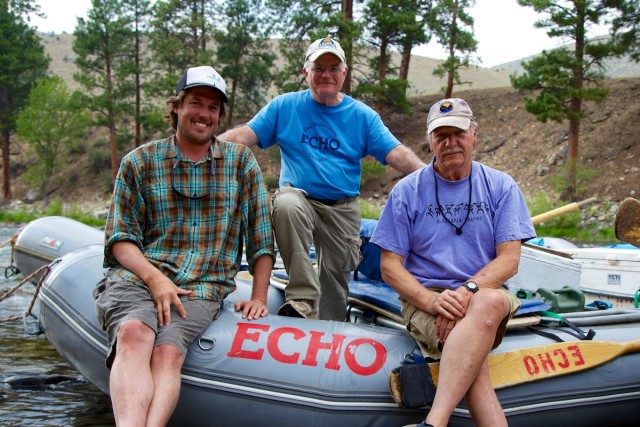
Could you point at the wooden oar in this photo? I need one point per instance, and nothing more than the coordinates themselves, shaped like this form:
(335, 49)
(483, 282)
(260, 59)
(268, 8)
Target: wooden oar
(628, 221)
(519, 366)
(538, 363)
(546, 216)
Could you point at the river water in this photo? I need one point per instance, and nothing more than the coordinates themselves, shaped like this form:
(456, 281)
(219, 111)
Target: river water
(72, 402)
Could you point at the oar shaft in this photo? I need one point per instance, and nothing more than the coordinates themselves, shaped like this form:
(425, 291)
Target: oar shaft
(559, 211)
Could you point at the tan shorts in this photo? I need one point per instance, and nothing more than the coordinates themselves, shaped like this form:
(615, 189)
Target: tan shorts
(422, 325)
(119, 300)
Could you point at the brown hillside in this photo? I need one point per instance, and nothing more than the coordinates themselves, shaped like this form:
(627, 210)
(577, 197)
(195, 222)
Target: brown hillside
(510, 139)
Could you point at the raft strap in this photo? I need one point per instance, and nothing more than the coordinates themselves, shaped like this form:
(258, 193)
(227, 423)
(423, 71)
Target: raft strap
(577, 332)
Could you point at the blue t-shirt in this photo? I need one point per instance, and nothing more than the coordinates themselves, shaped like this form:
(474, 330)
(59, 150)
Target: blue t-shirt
(321, 146)
(412, 224)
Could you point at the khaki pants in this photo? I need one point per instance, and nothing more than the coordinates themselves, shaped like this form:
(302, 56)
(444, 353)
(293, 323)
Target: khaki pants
(299, 222)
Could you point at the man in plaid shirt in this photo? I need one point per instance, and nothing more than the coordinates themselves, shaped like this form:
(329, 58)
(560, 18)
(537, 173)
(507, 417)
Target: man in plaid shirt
(173, 242)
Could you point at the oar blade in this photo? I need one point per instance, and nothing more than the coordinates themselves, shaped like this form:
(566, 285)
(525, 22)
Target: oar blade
(552, 360)
(628, 221)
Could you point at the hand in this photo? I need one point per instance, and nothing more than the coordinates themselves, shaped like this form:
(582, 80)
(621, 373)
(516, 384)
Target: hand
(449, 304)
(252, 310)
(165, 293)
(444, 327)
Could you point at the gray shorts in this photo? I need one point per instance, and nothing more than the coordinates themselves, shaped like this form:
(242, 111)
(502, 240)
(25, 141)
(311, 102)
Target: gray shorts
(119, 300)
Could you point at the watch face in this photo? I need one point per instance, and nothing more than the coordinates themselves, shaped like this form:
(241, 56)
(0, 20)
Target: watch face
(471, 286)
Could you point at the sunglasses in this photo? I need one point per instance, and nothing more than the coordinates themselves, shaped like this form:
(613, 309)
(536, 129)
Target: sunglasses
(188, 191)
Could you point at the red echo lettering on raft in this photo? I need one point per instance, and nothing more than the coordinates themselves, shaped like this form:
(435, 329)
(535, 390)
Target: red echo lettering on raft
(313, 342)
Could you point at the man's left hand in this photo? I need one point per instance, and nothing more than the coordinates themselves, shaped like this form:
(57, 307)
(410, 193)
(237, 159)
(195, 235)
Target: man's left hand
(252, 310)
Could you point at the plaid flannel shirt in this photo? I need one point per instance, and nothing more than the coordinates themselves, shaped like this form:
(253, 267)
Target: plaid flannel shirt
(197, 243)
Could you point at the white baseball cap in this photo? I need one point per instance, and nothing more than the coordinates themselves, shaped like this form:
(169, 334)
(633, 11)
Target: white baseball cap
(202, 76)
(322, 46)
(449, 112)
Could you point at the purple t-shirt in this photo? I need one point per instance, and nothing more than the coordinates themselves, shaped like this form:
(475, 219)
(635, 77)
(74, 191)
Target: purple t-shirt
(413, 225)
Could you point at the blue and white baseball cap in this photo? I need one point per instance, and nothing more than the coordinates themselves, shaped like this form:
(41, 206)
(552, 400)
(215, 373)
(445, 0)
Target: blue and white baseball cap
(202, 76)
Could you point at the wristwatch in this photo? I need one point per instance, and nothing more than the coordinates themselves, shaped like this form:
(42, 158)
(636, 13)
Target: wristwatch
(471, 286)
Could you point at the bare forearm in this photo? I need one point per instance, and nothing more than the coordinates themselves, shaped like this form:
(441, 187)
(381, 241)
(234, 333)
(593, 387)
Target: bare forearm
(131, 257)
(242, 135)
(403, 282)
(261, 276)
(404, 160)
(502, 268)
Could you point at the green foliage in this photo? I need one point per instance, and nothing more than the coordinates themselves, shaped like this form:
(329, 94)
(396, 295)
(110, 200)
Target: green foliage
(389, 93)
(245, 57)
(62, 125)
(99, 157)
(22, 63)
(626, 29)
(541, 204)
(179, 37)
(369, 211)
(371, 169)
(570, 225)
(54, 208)
(271, 182)
(583, 176)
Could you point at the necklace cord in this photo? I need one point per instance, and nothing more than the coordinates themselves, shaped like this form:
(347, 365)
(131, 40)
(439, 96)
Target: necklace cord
(435, 180)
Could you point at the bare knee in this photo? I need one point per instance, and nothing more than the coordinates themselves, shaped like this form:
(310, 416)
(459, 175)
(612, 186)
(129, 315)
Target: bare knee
(489, 306)
(167, 356)
(133, 333)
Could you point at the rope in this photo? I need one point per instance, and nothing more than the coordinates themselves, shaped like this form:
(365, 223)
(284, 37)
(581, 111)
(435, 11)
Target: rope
(10, 267)
(35, 294)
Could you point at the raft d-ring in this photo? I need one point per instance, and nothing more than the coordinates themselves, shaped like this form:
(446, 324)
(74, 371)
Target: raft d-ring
(11, 271)
(31, 324)
(206, 343)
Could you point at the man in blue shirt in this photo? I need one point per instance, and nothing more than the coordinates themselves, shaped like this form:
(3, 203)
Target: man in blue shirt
(450, 235)
(323, 134)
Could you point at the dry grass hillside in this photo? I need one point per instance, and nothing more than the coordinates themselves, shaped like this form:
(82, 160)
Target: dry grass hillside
(510, 139)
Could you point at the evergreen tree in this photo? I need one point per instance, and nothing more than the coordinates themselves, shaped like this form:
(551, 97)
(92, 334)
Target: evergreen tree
(245, 56)
(103, 43)
(179, 38)
(564, 78)
(392, 24)
(453, 28)
(137, 14)
(626, 27)
(22, 63)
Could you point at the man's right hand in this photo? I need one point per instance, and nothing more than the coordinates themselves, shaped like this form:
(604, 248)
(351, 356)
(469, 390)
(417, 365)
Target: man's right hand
(165, 293)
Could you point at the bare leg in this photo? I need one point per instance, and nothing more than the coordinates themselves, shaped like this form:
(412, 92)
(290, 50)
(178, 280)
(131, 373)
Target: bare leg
(465, 352)
(483, 403)
(130, 381)
(166, 364)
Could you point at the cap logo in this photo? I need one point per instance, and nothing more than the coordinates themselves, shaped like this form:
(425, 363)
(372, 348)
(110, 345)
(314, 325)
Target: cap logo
(327, 42)
(216, 80)
(446, 106)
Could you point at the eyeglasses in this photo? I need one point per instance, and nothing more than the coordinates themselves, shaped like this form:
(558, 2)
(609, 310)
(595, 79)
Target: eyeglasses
(334, 70)
(191, 189)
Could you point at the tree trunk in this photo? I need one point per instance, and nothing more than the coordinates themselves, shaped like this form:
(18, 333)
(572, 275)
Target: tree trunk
(347, 14)
(6, 184)
(382, 74)
(452, 53)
